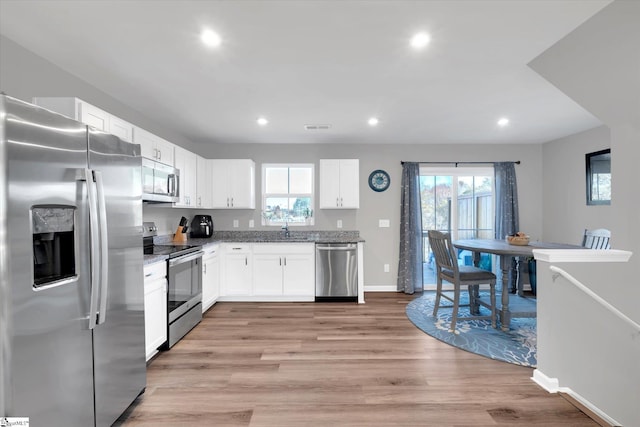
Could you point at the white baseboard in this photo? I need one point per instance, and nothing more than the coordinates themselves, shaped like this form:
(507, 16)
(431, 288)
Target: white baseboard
(552, 385)
(382, 288)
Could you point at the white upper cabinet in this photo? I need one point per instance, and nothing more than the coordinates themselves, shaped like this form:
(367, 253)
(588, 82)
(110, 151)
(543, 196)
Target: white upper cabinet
(153, 147)
(120, 128)
(203, 183)
(339, 183)
(88, 114)
(233, 184)
(186, 162)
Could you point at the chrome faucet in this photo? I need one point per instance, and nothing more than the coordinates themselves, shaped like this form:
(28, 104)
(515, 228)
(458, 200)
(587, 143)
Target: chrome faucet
(285, 228)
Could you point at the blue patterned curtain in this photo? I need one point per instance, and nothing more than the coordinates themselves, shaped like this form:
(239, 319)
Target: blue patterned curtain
(410, 264)
(507, 221)
(506, 199)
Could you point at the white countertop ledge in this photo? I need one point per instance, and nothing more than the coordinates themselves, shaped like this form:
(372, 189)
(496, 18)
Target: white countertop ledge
(581, 255)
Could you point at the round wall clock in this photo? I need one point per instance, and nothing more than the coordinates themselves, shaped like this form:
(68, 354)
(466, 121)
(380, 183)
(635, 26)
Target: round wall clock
(379, 180)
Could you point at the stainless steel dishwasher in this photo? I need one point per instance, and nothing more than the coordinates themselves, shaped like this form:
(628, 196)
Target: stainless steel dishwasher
(336, 272)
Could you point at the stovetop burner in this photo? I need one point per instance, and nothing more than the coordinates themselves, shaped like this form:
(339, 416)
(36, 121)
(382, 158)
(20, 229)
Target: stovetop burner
(150, 230)
(171, 250)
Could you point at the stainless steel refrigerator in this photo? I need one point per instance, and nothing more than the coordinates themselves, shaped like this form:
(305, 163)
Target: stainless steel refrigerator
(71, 286)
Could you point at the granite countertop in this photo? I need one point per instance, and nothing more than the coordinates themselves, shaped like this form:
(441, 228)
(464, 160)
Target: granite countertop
(260, 237)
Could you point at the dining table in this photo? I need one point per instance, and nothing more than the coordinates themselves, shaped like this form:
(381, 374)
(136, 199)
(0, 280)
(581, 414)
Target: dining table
(520, 306)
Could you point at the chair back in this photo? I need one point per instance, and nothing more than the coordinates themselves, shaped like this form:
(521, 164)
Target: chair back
(596, 239)
(443, 251)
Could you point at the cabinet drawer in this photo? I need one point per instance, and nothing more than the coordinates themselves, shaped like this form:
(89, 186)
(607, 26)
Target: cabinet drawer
(284, 248)
(157, 270)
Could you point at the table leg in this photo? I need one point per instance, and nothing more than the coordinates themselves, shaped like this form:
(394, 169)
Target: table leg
(519, 279)
(505, 315)
(474, 308)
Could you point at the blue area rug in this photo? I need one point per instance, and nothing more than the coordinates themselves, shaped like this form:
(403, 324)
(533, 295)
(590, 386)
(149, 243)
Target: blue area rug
(517, 346)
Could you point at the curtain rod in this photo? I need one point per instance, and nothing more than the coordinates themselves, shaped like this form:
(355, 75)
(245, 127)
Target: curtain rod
(517, 162)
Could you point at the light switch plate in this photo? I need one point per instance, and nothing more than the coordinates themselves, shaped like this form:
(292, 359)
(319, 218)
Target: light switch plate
(386, 268)
(236, 224)
(251, 223)
(383, 223)
(339, 225)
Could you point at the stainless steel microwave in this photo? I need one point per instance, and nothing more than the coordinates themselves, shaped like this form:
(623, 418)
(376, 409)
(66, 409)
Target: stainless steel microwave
(160, 182)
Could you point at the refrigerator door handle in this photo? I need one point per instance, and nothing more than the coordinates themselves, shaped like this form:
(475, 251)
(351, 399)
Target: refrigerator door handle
(104, 247)
(94, 247)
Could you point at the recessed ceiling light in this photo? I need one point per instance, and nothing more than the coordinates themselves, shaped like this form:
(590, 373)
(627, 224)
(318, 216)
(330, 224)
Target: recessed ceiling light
(210, 38)
(420, 40)
(262, 121)
(373, 121)
(503, 122)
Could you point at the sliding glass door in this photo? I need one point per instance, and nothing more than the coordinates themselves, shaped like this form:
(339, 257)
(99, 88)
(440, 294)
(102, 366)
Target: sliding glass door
(459, 201)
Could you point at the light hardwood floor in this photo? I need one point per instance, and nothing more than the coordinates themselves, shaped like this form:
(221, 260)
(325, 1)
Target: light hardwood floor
(335, 364)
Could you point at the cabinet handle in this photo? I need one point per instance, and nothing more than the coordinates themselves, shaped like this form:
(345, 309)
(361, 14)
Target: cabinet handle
(199, 200)
(341, 202)
(227, 202)
(204, 267)
(155, 154)
(148, 274)
(285, 261)
(246, 261)
(232, 202)
(159, 155)
(337, 201)
(280, 260)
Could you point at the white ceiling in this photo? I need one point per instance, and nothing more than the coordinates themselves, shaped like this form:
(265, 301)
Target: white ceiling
(317, 62)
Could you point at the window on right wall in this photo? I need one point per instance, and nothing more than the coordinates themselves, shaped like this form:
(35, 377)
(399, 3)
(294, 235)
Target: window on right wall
(598, 166)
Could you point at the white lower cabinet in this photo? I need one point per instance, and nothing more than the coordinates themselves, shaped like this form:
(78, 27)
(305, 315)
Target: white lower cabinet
(155, 307)
(236, 271)
(210, 276)
(269, 272)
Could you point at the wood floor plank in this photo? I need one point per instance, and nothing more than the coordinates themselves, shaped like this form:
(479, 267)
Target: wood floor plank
(334, 364)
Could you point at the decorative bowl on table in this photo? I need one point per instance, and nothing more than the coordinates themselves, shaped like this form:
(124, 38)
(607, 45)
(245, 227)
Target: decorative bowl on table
(520, 239)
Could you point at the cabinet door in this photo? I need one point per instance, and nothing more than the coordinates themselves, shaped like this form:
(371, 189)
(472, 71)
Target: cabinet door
(219, 184)
(155, 315)
(165, 151)
(349, 183)
(210, 280)
(237, 275)
(203, 183)
(242, 184)
(93, 116)
(121, 129)
(147, 142)
(299, 275)
(186, 162)
(329, 184)
(267, 273)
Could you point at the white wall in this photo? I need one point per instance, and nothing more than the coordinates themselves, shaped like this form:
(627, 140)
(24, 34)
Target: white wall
(565, 211)
(598, 65)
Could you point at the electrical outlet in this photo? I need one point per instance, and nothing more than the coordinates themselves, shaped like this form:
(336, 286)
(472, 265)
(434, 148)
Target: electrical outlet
(383, 223)
(236, 223)
(339, 225)
(386, 268)
(251, 223)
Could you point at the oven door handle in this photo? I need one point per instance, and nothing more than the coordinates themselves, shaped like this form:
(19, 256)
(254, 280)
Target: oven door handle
(186, 258)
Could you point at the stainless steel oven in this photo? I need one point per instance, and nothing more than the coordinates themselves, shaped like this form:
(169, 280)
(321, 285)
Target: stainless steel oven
(184, 297)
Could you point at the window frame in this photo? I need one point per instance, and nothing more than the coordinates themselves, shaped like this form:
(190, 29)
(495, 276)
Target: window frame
(455, 172)
(311, 219)
(590, 158)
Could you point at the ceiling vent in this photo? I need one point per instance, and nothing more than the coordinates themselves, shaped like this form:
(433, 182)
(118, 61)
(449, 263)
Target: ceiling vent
(317, 127)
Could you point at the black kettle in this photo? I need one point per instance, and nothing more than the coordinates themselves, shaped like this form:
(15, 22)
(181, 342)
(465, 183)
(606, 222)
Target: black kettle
(201, 226)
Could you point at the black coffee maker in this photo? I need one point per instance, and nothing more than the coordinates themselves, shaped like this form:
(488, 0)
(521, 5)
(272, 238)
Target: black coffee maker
(201, 226)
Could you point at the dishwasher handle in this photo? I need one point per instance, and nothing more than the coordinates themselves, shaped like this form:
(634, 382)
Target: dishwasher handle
(349, 247)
